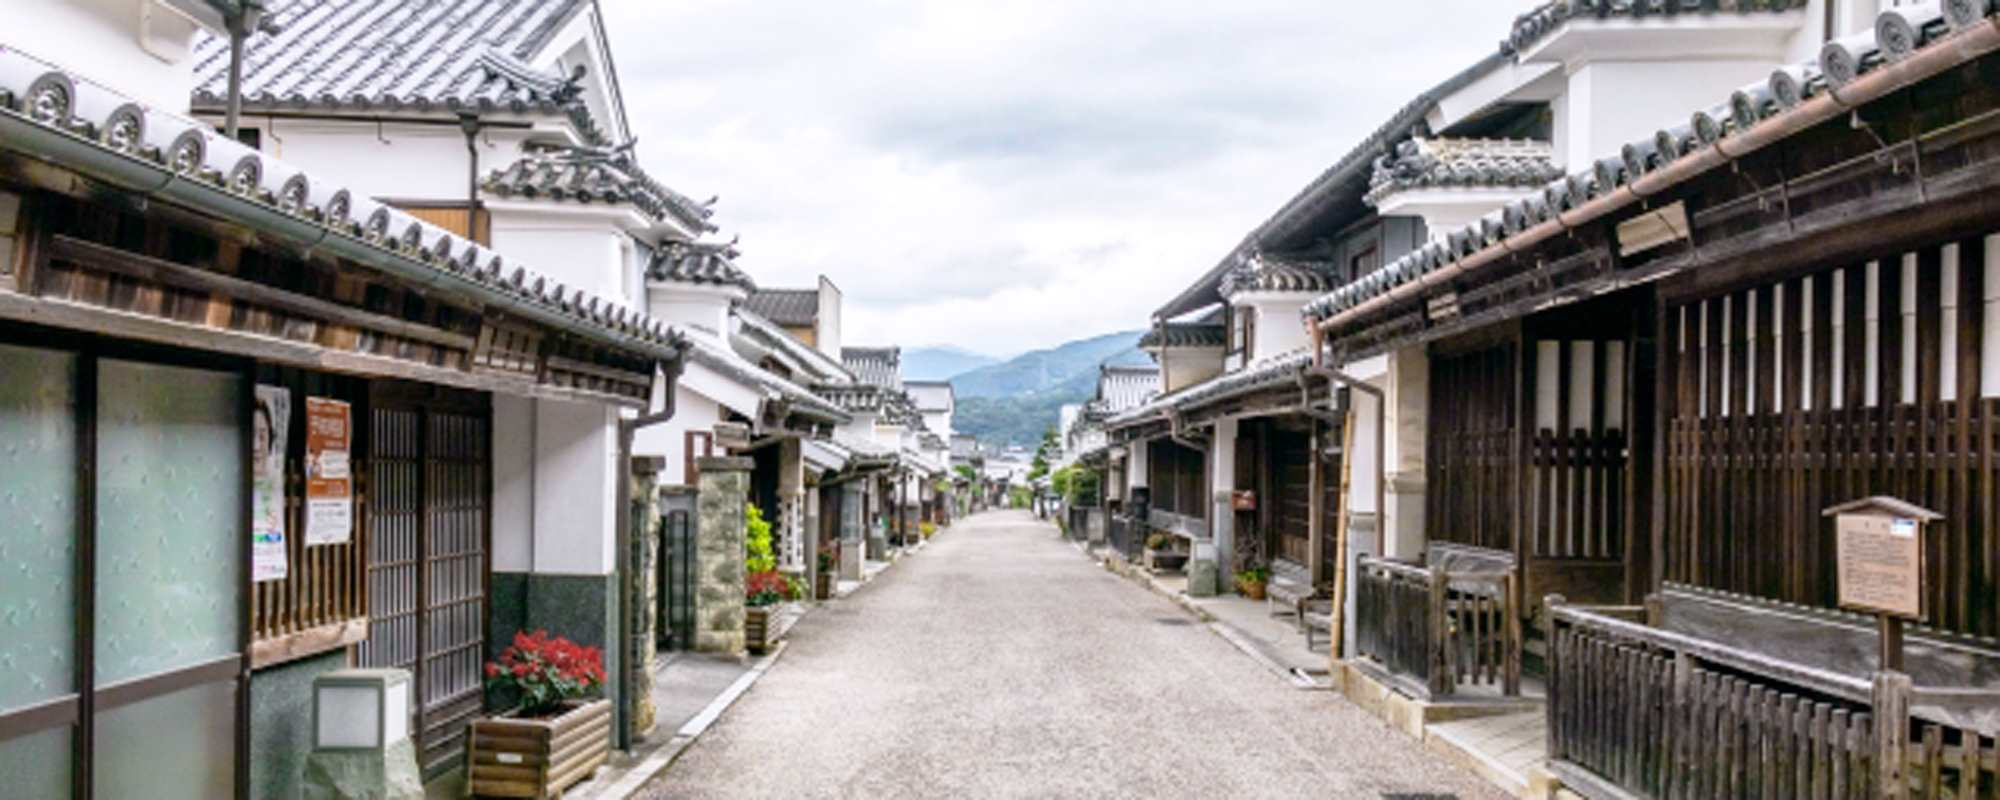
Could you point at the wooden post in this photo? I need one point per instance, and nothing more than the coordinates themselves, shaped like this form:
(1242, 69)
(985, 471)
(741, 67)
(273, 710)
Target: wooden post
(1554, 707)
(1510, 679)
(1891, 627)
(1892, 733)
(1440, 664)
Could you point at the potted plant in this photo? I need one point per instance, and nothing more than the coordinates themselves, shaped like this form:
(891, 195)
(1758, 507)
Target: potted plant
(1163, 552)
(829, 562)
(557, 732)
(766, 614)
(928, 529)
(1250, 582)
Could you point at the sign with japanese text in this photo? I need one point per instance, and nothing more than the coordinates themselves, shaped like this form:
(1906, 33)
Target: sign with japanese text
(329, 483)
(1881, 560)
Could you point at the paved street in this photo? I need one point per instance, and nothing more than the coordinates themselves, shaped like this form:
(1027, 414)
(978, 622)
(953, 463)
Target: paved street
(1000, 662)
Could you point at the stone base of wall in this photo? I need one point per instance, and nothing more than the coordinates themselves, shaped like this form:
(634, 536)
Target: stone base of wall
(281, 722)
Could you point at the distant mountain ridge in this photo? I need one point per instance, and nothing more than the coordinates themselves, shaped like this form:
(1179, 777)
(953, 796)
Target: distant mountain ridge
(941, 363)
(1012, 402)
(1058, 367)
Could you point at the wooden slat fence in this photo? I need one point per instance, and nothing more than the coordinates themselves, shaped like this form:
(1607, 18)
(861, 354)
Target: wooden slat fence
(1789, 397)
(1441, 630)
(1645, 712)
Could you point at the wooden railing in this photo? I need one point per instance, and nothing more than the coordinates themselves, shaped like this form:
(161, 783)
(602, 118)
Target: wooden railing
(1439, 630)
(1647, 712)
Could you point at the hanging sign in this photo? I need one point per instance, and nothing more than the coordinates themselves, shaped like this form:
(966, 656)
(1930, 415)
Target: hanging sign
(270, 421)
(329, 485)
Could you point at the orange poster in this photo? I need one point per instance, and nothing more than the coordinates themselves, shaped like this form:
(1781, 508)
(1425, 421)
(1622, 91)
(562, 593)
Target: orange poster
(329, 484)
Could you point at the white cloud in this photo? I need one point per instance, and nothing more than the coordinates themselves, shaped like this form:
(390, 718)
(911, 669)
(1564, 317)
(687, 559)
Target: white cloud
(1005, 176)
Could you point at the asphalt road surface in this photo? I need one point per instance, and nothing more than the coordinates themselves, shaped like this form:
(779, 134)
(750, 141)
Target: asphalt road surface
(999, 662)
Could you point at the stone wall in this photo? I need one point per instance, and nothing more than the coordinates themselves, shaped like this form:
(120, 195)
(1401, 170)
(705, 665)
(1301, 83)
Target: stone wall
(724, 487)
(644, 590)
(281, 720)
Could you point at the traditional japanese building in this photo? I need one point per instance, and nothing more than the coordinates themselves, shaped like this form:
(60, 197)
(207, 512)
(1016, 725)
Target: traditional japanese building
(261, 403)
(1635, 389)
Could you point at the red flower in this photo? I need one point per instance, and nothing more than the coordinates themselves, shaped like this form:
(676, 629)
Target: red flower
(543, 671)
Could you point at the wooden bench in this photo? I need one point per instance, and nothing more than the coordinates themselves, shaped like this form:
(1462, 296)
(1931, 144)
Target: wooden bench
(1441, 625)
(1290, 585)
(1316, 616)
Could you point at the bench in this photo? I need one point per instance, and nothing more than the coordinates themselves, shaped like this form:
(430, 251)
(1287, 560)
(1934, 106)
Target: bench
(1316, 616)
(1291, 585)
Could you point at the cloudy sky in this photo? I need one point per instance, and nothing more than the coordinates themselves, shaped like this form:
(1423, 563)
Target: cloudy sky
(1012, 175)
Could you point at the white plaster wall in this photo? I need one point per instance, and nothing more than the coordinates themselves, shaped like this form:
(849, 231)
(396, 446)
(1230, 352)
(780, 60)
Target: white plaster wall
(828, 335)
(703, 309)
(1222, 476)
(1279, 328)
(583, 253)
(1185, 367)
(136, 47)
(513, 482)
(1610, 103)
(692, 412)
(576, 461)
(403, 161)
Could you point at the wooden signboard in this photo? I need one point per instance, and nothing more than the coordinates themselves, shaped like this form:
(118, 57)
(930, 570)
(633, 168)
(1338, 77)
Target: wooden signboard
(1881, 564)
(1879, 548)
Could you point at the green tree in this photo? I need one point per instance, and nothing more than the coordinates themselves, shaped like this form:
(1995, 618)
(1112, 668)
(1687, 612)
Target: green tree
(1047, 450)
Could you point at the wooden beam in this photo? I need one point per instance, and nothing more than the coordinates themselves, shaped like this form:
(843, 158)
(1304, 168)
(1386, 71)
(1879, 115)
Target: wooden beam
(146, 268)
(312, 641)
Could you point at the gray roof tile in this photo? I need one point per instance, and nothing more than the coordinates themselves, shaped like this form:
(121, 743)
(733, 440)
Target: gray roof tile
(789, 307)
(387, 54)
(880, 366)
(1185, 334)
(1420, 163)
(698, 262)
(595, 175)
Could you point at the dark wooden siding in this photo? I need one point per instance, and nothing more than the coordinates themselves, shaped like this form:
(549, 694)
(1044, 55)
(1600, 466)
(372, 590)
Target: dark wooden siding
(1768, 424)
(1469, 469)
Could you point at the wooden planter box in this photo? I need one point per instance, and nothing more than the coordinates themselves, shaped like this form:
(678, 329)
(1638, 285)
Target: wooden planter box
(521, 757)
(823, 585)
(763, 626)
(1165, 560)
(1254, 591)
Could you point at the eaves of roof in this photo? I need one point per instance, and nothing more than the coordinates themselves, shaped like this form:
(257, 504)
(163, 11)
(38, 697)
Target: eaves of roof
(1264, 373)
(52, 115)
(801, 400)
(1338, 189)
(1793, 98)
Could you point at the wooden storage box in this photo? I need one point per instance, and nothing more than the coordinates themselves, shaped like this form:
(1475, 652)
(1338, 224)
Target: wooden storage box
(521, 757)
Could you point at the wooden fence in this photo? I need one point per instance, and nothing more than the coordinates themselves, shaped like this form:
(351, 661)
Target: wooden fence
(1441, 630)
(1647, 712)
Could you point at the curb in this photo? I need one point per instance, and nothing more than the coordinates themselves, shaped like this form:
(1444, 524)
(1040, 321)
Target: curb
(656, 764)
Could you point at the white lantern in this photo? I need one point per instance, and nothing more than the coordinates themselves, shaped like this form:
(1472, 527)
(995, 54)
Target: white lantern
(361, 709)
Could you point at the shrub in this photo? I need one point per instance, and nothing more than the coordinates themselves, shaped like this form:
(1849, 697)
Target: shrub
(757, 543)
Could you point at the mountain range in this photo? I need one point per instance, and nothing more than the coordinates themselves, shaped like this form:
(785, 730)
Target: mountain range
(1014, 401)
(941, 363)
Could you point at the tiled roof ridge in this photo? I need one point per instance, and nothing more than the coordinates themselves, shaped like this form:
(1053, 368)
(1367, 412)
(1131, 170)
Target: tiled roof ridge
(1898, 33)
(1185, 334)
(699, 262)
(1419, 162)
(1542, 20)
(1268, 272)
(43, 95)
(596, 174)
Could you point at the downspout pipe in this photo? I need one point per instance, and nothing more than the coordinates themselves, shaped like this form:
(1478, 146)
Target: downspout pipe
(628, 581)
(1320, 368)
(1828, 104)
(470, 124)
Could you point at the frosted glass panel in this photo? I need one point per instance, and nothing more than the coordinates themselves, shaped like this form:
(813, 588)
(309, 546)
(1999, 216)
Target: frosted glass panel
(170, 502)
(179, 745)
(37, 765)
(37, 548)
